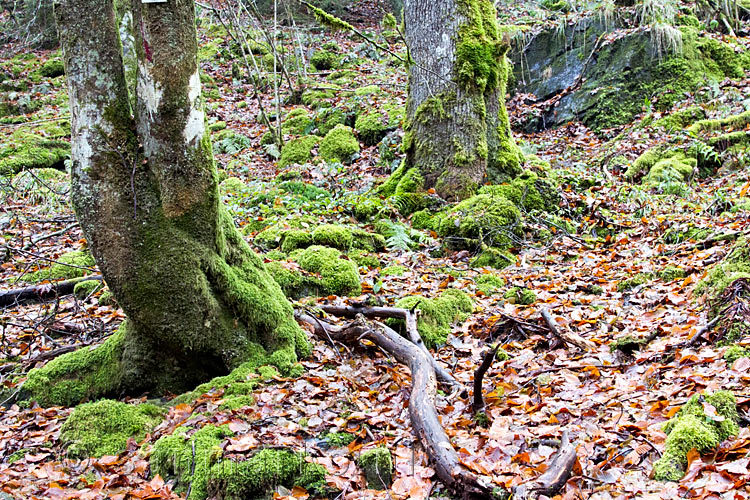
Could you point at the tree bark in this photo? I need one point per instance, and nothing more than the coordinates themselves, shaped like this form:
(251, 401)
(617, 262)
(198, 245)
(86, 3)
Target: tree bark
(198, 301)
(457, 132)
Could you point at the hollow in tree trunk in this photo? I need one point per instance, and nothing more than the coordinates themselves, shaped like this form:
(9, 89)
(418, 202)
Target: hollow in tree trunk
(457, 131)
(198, 301)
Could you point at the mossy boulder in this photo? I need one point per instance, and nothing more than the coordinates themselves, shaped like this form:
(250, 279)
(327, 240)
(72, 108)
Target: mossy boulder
(483, 218)
(324, 60)
(298, 151)
(681, 119)
(338, 276)
(371, 127)
(333, 235)
(68, 266)
(659, 165)
(529, 191)
(294, 239)
(26, 150)
(377, 466)
(86, 288)
(104, 427)
(327, 118)
(695, 428)
(436, 315)
(297, 122)
(52, 68)
(339, 145)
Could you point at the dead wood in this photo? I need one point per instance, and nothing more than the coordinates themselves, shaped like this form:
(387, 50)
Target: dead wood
(566, 336)
(555, 477)
(487, 359)
(424, 418)
(39, 293)
(409, 318)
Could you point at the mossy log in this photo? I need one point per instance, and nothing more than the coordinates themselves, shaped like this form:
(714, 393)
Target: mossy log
(145, 191)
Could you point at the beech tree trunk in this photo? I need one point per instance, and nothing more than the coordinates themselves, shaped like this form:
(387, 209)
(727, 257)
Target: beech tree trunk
(457, 131)
(198, 301)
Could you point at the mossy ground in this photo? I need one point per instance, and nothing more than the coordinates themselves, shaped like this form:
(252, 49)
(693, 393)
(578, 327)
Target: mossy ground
(436, 315)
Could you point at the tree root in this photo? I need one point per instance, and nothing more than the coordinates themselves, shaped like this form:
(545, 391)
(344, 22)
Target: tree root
(422, 412)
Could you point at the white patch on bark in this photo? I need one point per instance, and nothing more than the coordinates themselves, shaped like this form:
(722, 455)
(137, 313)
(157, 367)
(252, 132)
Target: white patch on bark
(195, 123)
(148, 90)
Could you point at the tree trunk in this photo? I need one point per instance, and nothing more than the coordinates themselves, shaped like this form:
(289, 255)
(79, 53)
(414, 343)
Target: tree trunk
(457, 131)
(198, 301)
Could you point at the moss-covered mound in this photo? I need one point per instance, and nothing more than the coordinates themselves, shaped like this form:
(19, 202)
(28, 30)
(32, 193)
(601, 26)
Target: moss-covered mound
(338, 276)
(37, 149)
(298, 150)
(696, 428)
(104, 427)
(528, 191)
(436, 315)
(481, 219)
(339, 145)
(377, 466)
(297, 122)
(67, 266)
(735, 265)
(657, 165)
(324, 60)
(681, 119)
(193, 458)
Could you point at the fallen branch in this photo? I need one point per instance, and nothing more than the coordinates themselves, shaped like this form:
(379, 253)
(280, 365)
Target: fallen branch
(489, 357)
(409, 319)
(556, 475)
(422, 411)
(566, 336)
(39, 293)
(43, 237)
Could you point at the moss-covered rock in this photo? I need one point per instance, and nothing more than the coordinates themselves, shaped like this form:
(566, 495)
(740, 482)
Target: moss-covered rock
(377, 466)
(483, 218)
(489, 283)
(734, 266)
(694, 428)
(297, 122)
(681, 119)
(298, 151)
(657, 166)
(52, 68)
(363, 258)
(104, 427)
(339, 145)
(671, 273)
(520, 295)
(333, 235)
(338, 276)
(324, 60)
(327, 118)
(371, 127)
(436, 315)
(294, 239)
(529, 191)
(26, 150)
(69, 265)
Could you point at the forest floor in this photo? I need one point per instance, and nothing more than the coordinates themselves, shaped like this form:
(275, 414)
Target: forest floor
(612, 403)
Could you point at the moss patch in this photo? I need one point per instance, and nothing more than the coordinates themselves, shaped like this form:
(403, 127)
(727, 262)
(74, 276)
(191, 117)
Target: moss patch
(377, 466)
(520, 295)
(693, 428)
(104, 427)
(735, 352)
(337, 275)
(339, 145)
(67, 266)
(436, 315)
(298, 151)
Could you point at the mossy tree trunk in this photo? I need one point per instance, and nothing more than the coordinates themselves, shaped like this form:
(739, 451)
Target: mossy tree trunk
(457, 132)
(198, 301)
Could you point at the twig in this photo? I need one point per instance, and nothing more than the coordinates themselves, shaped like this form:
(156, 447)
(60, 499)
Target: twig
(47, 236)
(487, 360)
(567, 337)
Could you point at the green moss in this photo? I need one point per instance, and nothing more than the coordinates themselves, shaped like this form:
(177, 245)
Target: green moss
(270, 237)
(557, 5)
(627, 344)
(217, 126)
(261, 473)
(339, 439)
(692, 428)
(421, 219)
(86, 288)
(339, 145)
(187, 457)
(364, 259)
(637, 280)
(327, 118)
(489, 283)
(333, 235)
(292, 282)
(338, 276)
(681, 119)
(481, 218)
(377, 466)
(107, 299)
(529, 191)
(671, 273)
(371, 128)
(735, 352)
(479, 50)
(307, 191)
(393, 271)
(676, 168)
(236, 402)
(324, 60)
(367, 90)
(735, 121)
(365, 240)
(294, 239)
(298, 150)
(67, 266)
(520, 295)
(297, 122)
(104, 427)
(317, 98)
(26, 150)
(52, 68)
(232, 185)
(735, 265)
(436, 315)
